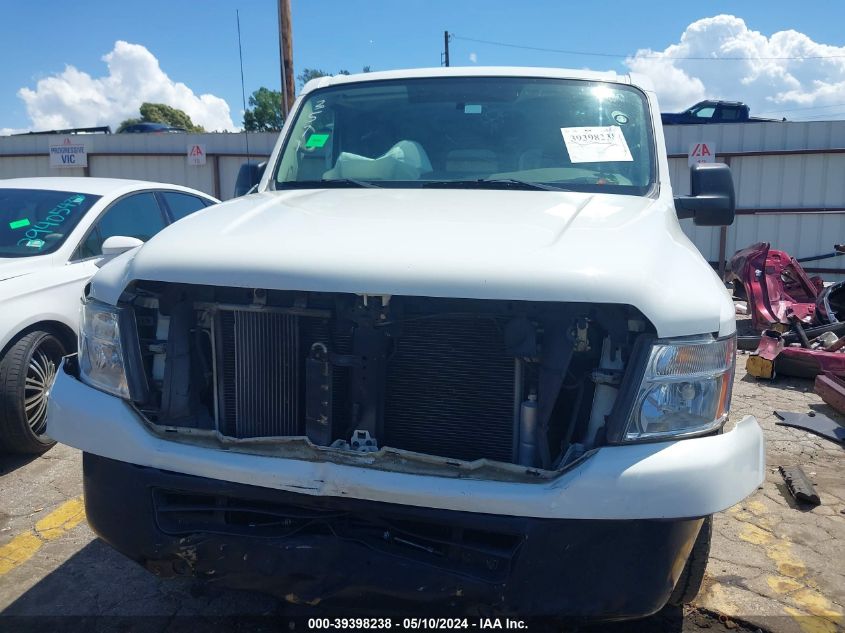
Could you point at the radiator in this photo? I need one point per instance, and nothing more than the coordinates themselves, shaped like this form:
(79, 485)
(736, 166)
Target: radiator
(259, 375)
(450, 389)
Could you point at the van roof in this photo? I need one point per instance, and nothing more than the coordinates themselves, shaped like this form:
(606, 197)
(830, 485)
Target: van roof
(482, 71)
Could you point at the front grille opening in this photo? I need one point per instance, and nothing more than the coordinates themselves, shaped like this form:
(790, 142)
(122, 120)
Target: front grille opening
(179, 513)
(443, 377)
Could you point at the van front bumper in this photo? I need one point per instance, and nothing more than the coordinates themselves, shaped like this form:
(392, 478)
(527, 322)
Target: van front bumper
(354, 557)
(666, 480)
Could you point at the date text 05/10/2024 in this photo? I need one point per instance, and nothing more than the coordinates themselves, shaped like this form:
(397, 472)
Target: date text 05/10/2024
(431, 624)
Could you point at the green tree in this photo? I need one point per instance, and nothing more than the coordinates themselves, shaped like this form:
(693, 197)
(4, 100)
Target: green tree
(162, 113)
(308, 74)
(265, 113)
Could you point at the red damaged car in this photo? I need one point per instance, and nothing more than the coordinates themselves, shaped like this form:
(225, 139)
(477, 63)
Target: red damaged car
(780, 292)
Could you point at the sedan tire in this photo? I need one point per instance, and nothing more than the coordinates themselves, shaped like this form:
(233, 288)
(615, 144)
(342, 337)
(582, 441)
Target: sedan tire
(27, 372)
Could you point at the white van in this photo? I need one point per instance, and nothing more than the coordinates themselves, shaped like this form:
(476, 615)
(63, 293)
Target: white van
(455, 351)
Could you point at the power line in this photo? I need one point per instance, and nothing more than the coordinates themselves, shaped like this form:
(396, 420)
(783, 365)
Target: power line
(821, 107)
(243, 90)
(619, 55)
(823, 116)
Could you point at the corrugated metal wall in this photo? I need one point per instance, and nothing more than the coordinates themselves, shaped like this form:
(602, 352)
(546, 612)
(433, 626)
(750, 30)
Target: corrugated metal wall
(790, 184)
(156, 157)
(790, 177)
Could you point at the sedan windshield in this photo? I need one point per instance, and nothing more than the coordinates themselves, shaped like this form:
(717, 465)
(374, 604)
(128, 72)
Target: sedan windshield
(37, 221)
(472, 132)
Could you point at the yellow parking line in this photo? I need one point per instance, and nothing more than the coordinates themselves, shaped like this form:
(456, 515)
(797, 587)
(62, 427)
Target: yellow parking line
(815, 613)
(67, 516)
(24, 546)
(18, 551)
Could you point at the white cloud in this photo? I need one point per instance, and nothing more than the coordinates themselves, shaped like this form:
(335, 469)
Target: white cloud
(73, 98)
(473, 58)
(7, 131)
(773, 86)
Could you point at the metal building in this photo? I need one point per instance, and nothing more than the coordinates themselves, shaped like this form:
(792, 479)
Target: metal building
(790, 184)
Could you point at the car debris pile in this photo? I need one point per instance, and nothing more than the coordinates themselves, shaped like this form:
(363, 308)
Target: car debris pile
(799, 330)
(799, 321)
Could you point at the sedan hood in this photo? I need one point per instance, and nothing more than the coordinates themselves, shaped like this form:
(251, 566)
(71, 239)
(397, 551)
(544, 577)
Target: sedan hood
(521, 245)
(11, 267)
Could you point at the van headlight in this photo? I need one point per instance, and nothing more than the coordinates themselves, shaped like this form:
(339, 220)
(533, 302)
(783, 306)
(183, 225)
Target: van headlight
(101, 362)
(686, 388)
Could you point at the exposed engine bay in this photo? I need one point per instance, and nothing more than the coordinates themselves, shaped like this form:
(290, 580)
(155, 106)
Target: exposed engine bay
(529, 384)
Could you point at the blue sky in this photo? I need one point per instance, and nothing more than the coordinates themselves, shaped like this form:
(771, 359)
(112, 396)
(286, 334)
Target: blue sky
(196, 42)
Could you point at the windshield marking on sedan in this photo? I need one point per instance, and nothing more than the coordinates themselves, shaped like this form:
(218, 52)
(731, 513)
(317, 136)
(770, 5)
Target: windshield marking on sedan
(19, 224)
(54, 217)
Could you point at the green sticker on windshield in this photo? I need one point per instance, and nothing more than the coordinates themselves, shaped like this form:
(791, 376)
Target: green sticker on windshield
(19, 224)
(316, 140)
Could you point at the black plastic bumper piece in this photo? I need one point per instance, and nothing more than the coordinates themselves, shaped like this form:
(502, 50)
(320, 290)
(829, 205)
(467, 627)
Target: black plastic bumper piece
(383, 557)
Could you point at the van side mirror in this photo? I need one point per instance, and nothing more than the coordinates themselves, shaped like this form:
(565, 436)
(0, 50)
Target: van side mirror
(713, 202)
(249, 175)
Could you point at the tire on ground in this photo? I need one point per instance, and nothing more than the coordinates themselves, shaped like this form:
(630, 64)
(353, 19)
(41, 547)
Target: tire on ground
(16, 434)
(692, 576)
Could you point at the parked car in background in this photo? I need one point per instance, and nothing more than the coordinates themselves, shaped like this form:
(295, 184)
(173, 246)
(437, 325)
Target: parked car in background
(54, 233)
(713, 112)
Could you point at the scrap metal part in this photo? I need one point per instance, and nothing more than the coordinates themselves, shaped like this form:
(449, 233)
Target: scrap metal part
(775, 285)
(813, 422)
(831, 388)
(761, 364)
(809, 363)
(799, 485)
(780, 295)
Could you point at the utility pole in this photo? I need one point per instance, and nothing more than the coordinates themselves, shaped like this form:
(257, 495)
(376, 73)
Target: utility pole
(446, 48)
(286, 56)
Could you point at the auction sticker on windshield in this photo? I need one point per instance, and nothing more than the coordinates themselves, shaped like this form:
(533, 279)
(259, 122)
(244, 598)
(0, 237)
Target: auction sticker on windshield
(596, 144)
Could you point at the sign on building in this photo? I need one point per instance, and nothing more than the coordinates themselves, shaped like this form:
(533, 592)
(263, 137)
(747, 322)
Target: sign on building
(196, 154)
(703, 152)
(68, 154)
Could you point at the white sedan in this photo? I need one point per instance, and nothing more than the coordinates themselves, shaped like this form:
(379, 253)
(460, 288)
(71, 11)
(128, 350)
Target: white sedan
(54, 233)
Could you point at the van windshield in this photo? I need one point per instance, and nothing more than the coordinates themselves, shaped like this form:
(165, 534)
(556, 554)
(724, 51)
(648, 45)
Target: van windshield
(472, 132)
(37, 221)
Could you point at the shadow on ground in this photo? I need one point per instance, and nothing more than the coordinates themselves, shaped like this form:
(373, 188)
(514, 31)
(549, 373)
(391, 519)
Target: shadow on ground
(97, 589)
(10, 463)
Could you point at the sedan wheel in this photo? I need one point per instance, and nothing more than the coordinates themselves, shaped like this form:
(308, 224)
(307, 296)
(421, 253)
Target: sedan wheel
(39, 379)
(27, 372)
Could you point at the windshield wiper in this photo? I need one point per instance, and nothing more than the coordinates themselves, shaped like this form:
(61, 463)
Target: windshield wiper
(493, 183)
(326, 183)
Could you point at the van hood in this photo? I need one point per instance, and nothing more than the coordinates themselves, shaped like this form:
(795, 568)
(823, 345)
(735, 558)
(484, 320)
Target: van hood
(484, 244)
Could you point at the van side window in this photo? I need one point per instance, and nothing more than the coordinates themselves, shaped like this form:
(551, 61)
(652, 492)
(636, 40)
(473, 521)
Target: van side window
(137, 216)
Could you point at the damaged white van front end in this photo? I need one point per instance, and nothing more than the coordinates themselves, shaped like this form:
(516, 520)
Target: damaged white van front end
(455, 351)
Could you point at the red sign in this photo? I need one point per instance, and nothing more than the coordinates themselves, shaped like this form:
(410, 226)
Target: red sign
(703, 152)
